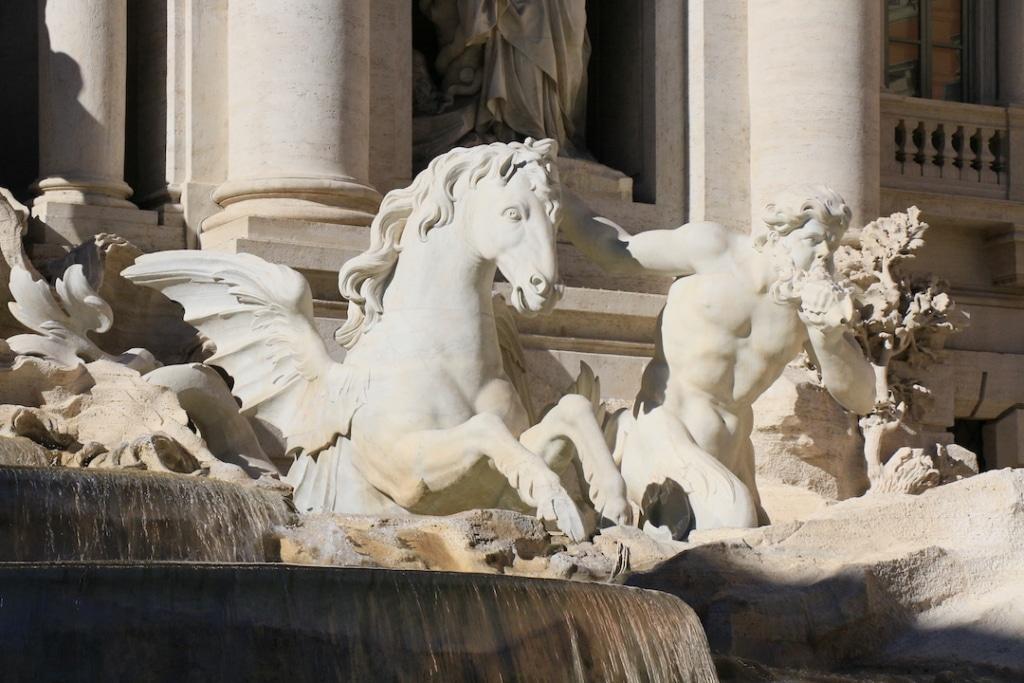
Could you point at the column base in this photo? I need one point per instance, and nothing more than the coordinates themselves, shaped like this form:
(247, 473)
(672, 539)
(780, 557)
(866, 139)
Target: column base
(342, 201)
(58, 226)
(84, 191)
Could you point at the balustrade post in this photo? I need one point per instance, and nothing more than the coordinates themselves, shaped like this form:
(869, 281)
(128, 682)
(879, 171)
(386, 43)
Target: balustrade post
(930, 151)
(893, 143)
(960, 163)
(986, 175)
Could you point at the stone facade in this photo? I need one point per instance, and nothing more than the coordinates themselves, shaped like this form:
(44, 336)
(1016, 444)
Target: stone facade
(275, 128)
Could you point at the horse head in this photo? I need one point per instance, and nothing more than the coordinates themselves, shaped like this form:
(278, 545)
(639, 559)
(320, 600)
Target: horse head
(510, 219)
(503, 198)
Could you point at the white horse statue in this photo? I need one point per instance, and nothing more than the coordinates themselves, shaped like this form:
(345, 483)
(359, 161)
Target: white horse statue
(420, 415)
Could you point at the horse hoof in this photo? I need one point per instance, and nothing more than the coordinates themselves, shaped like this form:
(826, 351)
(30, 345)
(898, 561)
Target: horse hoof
(559, 508)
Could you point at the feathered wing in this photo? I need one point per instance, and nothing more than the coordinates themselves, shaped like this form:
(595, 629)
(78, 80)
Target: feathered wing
(260, 317)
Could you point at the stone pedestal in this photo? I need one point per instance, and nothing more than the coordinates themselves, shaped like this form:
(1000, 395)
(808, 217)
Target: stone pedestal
(815, 75)
(58, 226)
(298, 102)
(315, 249)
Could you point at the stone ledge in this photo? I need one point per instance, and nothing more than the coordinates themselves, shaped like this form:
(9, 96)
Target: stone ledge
(55, 226)
(978, 213)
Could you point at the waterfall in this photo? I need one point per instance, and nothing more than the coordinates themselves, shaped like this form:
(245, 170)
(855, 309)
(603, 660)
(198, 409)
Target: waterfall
(52, 514)
(265, 622)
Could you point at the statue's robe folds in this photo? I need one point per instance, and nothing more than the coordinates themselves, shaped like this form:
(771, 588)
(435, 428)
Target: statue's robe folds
(535, 65)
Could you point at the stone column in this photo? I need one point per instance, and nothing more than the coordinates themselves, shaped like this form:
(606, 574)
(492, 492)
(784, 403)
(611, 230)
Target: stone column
(719, 118)
(815, 79)
(1011, 53)
(298, 112)
(82, 74)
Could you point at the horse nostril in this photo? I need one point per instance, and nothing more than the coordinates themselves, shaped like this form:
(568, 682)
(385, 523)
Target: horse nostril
(539, 284)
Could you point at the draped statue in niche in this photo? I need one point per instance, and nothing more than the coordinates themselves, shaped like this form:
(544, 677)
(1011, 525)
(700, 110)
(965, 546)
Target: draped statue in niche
(504, 70)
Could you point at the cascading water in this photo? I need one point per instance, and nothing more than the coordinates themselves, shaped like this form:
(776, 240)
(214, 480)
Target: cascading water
(57, 514)
(138, 576)
(264, 622)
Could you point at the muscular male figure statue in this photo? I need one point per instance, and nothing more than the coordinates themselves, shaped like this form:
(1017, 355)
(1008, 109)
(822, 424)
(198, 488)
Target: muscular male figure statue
(741, 309)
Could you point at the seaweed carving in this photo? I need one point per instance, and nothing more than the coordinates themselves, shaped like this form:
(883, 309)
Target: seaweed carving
(904, 322)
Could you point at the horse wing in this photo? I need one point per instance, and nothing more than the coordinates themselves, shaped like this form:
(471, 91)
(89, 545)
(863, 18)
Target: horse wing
(260, 317)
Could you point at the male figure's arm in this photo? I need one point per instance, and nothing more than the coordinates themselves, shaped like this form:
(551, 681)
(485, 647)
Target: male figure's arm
(845, 372)
(677, 252)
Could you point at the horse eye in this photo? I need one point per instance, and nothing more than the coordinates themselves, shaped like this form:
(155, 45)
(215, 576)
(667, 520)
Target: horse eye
(512, 213)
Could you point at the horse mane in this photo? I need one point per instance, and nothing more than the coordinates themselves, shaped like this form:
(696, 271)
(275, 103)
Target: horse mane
(432, 196)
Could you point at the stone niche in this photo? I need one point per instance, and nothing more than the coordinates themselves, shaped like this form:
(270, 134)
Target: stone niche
(625, 151)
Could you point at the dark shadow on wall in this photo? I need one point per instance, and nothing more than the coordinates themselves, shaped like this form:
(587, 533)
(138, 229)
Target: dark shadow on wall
(145, 153)
(19, 103)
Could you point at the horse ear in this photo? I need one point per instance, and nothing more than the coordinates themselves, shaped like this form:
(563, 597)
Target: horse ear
(547, 147)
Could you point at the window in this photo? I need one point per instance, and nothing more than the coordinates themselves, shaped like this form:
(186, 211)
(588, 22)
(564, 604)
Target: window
(941, 49)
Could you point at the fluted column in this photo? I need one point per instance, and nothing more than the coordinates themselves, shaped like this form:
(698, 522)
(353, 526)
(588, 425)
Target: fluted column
(298, 112)
(815, 78)
(82, 75)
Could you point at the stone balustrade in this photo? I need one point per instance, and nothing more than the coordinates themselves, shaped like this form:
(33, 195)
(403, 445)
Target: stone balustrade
(949, 147)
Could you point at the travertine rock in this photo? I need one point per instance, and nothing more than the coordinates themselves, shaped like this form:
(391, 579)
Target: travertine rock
(20, 451)
(927, 580)
(98, 414)
(788, 503)
(479, 541)
(803, 438)
(490, 541)
(955, 462)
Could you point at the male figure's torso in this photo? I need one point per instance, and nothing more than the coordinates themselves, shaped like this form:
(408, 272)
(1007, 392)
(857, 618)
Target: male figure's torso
(722, 341)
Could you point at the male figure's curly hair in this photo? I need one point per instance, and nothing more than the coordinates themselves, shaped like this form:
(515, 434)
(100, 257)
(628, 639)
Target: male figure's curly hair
(792, 212)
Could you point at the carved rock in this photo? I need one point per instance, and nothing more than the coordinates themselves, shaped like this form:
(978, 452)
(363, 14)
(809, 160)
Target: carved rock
(13, 224)
(19, 451)
(908, 470)
(955, 462)
(489, 541)
(99, 414)
(883, 580)
(803, 438)
(145, 318)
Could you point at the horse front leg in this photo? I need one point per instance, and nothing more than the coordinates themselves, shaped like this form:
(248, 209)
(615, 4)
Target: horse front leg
(572, 419)
(439, 457)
